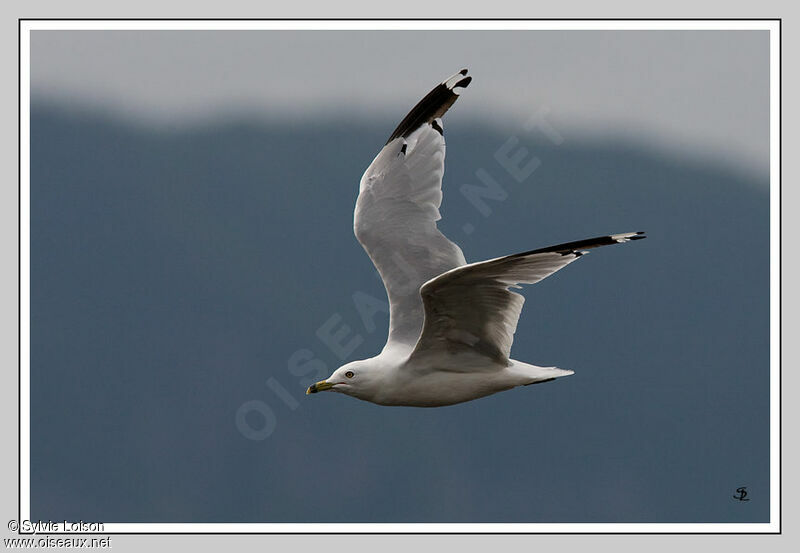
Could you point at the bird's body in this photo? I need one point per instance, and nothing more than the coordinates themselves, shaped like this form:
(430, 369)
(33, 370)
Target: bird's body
(452, 379)
(451, 324)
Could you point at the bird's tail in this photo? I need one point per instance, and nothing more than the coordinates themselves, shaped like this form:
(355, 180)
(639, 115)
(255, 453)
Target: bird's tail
(531, 374)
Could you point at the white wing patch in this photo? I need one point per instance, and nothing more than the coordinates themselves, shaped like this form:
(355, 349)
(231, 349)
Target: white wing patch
(395, 222)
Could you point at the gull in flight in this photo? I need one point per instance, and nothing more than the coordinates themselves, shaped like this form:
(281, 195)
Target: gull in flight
(451, 324)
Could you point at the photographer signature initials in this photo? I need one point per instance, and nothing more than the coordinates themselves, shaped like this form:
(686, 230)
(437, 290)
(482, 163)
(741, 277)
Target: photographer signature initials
(742, 494)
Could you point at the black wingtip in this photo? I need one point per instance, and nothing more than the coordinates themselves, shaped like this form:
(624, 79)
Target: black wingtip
(463, 83)
(576, 248)
(433, 106)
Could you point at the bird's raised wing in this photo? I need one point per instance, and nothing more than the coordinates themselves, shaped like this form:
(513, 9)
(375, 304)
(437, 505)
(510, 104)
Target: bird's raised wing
(471, 307)
(398, 206)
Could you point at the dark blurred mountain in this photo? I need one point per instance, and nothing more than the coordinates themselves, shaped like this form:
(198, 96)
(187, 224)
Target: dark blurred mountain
(176, 275)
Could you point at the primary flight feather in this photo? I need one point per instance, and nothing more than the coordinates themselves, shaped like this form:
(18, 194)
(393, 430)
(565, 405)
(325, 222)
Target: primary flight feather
(451, 324)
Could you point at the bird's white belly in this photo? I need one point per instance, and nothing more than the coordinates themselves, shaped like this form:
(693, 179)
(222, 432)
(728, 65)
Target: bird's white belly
(442, 387)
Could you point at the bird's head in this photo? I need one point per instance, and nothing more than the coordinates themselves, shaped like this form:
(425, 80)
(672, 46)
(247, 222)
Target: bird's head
(359, 379)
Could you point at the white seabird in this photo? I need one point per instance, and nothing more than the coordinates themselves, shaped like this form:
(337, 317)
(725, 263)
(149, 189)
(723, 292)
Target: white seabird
(451, 324)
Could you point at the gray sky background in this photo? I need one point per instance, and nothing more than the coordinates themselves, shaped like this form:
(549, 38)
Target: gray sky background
(694, 92)
(158, 308)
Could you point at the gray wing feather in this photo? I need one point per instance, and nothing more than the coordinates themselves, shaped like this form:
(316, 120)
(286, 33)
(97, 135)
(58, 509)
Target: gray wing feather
(472, 307)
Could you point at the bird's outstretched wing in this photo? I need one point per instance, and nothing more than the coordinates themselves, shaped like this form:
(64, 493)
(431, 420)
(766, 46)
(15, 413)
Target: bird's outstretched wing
(398, 206)
(471, 307)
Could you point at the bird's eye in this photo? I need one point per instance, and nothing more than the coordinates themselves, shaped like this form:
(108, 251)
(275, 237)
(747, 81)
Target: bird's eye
(349, 374)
